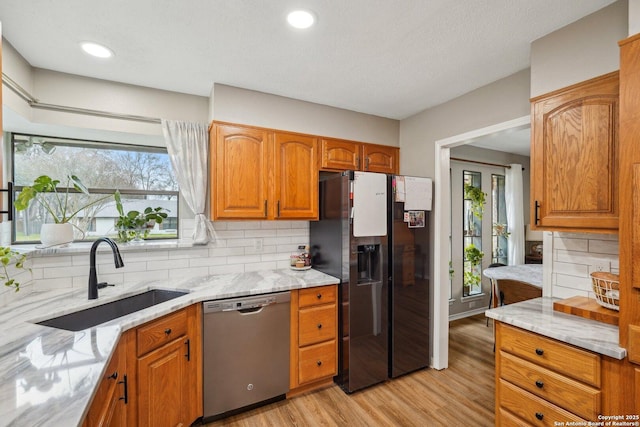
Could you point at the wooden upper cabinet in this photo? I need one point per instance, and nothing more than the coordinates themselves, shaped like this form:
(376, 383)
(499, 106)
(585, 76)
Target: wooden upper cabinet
(262, 174)
(574, 157)
(337, 154)
(296, 176)
(380, 158)
(240, 164)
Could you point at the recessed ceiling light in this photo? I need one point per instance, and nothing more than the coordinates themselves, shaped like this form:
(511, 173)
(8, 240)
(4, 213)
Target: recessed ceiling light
(97, 50)
(301, 19)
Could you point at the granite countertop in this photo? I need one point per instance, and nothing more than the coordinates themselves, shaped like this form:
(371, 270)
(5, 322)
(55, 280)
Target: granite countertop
(537, 315)
(49, 376)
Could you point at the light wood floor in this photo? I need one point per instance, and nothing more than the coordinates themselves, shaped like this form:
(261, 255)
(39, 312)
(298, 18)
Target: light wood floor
(462, 395)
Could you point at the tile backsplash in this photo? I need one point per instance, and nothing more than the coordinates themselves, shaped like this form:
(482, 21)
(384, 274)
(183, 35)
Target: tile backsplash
(576, 256)
(241, 247)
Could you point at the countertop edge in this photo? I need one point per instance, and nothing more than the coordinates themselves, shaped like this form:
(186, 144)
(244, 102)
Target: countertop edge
(539, 317)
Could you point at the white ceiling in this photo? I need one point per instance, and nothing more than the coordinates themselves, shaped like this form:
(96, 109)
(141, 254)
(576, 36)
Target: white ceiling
(515, 141)
(391, 58)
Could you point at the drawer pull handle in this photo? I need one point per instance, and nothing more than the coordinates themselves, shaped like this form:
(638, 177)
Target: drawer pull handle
(539, 415)
(167, 331)
(539, 384)
(539, 351)
(319, 362)
(319, 296)
(319, 325)
(113, 376)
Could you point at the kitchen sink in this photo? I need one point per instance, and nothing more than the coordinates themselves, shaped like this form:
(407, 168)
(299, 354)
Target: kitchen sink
(93, 316)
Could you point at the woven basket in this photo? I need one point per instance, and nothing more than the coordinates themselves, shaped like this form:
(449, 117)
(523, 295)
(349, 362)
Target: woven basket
(606, 286)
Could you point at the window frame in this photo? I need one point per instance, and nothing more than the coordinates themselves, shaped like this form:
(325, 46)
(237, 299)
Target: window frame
(86, 143)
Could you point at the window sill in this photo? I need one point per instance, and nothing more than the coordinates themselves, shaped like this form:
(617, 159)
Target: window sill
(473, 297)
(84, 247)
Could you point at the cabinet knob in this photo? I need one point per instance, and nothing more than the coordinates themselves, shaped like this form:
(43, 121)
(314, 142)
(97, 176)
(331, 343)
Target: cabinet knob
(319, 296)
(539, 415)
(319, 362)
(539, 351)
(539, 384)
(167, 331)
(319, 325)
(113, 376)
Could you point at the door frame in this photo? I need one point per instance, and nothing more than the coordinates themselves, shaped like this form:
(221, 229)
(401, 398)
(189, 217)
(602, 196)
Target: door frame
(442, 220)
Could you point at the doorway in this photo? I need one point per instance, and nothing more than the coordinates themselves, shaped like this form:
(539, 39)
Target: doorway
(442, 225)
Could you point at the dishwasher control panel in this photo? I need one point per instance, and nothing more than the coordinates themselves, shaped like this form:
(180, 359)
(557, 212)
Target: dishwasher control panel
(245, 303)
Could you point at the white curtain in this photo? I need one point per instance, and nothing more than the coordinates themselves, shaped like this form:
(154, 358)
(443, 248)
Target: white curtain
(515, 216)
(188, 147)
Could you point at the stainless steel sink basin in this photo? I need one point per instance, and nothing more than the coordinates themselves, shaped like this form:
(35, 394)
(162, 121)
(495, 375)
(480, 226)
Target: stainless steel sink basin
(93, 316)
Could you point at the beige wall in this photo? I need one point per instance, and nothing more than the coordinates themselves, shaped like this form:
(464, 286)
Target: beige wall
(498, 102)
(232, 104)
(582, 50)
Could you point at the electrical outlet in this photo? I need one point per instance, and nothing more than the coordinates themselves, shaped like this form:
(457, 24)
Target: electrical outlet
(257, 245)
(602, 266)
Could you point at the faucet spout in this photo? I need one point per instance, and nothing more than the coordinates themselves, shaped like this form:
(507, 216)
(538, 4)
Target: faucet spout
(93, 276)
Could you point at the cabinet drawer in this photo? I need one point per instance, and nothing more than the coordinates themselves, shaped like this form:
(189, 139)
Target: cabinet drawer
(572, 395)
(317, 295)
(567, 360)
(317, 361)
(159, 332)
(531, 408)
(507, 419)
(316, 324)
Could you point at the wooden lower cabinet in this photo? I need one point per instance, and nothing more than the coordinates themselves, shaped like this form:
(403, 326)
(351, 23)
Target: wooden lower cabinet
(314, 345)
(109, 403)
(541, 381)
(161, 361)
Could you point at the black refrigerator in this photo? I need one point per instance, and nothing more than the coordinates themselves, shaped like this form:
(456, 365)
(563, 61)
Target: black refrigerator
(408, 248)
(381, 260)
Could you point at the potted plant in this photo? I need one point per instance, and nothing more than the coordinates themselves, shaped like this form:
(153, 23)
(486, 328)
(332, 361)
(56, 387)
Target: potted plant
(477, 197)
(44, 191)
(474, 256)
(7, 256)
(135, 225)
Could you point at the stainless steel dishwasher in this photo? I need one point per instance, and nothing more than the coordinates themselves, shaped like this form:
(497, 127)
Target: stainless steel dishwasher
(245, 352)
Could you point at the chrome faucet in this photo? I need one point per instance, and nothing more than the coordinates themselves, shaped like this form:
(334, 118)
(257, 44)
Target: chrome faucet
(93, 277)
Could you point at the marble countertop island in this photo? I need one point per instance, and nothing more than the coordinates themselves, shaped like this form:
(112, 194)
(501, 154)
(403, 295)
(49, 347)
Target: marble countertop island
(49, 376)
(537, 315)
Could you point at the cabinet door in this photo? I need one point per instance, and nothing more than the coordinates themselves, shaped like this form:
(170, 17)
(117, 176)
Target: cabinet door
(109, 407)
(337, 154)
(240, 162)
(574, 157)
(295, 177)
(380, 158)
(163, 386)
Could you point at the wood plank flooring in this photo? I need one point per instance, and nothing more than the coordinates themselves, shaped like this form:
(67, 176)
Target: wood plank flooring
(462, 395)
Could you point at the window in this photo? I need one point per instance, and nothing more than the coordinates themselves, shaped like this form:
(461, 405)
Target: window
(473, 206)
(499, 233)
(143, 175)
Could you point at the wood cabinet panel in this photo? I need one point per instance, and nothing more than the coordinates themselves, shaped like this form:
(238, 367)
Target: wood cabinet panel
(530, 408)
(296, 176)
(317, 324)
(314, 349)
(159, 332)
(570, 361)
(319, 295)
(317, 361)
(380, 158)
(108, 407)
(564, 392)
(336, 154)
(162, 398)
(240, 158)
(574, 157)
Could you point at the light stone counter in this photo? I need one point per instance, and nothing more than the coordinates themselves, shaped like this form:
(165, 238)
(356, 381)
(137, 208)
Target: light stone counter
(48, 376)
(537, 315)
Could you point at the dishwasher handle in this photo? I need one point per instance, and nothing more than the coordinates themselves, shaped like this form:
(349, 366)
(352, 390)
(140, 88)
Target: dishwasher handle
(246, 305)
(252, 310)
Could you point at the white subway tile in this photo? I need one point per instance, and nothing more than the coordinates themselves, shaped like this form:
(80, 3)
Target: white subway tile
(207, 262)
(604, 246)
(223, 252)
(243, 225)
(260, 266)
(247, 259)
(51, 261)
(146, 275)
(188, 272)
(200, 252)
(581, 245)
(227, 269)
(571, 269)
